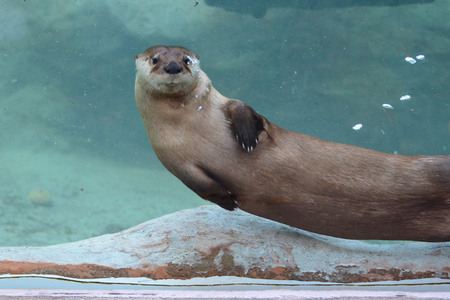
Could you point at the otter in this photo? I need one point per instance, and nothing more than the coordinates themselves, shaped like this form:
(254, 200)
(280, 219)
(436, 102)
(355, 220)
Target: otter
(232, 156)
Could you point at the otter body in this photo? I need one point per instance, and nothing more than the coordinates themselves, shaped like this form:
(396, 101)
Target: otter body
(230, 155)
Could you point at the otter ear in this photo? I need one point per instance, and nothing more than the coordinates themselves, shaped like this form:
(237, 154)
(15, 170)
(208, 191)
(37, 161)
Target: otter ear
(197, 56)
(245, 124)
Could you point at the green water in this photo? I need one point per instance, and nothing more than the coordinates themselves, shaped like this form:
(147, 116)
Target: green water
(69, 124)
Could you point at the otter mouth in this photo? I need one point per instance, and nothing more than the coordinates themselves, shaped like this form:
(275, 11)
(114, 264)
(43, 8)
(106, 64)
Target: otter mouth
(173, 80)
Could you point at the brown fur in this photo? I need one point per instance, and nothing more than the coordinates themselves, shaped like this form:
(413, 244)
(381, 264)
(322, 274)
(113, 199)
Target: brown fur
(319, 186)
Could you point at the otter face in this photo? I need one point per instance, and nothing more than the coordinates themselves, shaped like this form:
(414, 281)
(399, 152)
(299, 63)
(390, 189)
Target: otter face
(168, 70)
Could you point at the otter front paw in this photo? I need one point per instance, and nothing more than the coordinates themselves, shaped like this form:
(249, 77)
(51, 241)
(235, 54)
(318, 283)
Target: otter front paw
(228, 204)
(245, 124)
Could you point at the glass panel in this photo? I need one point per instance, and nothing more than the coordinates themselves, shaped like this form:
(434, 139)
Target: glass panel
(75, 157)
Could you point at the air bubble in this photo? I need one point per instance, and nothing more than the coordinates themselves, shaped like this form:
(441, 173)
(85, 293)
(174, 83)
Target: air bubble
(410, 60)
(357, 127)
(405, 97)
(388, 106)
(420, 57)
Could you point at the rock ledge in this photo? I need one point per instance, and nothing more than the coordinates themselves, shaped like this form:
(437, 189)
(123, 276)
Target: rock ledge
(209, 241)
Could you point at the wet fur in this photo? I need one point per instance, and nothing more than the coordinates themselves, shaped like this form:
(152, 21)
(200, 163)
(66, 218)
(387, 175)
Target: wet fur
(230, 155)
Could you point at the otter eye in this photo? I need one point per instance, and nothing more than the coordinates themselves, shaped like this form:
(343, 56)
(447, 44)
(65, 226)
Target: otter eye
(187, 60)
(154, 60)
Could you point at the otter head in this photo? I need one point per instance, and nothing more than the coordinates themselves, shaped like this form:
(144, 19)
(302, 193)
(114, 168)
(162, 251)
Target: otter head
(168, 70)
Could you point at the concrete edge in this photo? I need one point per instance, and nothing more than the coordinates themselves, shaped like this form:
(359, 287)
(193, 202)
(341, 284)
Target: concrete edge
(210, 294)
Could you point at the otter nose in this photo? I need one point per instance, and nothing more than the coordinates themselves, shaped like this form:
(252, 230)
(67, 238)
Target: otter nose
(173, 68)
